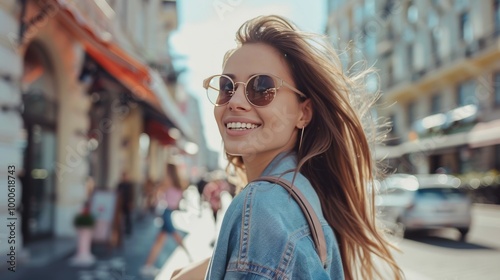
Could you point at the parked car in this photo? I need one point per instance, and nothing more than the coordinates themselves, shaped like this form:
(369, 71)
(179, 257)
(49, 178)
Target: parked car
(424, 202)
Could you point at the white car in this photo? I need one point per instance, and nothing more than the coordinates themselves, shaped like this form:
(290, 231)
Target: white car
(423, 202)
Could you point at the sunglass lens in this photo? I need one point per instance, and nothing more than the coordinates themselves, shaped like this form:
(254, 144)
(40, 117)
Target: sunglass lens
(220, 90)
(261, 90)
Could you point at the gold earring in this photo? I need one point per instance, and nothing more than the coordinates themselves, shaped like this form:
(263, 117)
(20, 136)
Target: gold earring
(301, 136)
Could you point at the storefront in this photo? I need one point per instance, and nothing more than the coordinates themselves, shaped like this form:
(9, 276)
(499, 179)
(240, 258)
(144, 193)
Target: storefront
(59, 124)
(39, 96)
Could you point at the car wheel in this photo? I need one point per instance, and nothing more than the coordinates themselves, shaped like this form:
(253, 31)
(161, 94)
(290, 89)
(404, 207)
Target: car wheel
(463, 233)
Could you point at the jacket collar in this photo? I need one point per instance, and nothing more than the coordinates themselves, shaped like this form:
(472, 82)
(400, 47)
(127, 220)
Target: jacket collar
(285, 162)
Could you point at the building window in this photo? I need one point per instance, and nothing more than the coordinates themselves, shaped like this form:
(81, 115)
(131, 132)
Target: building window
(412, 13)
(460, 4)
(344, 30)
(409, 58)
(390, 71)
(389, 32)
(389, 8)
(411, 113)
(358, 15)
(466, 27)
(496, 88)
(435, 34)
(466, 93)
(496, 10)
(436, 104)
(440, 5)
(334, 5)
(372, 83)
(370, 8)
(370, 43)
(432, 19)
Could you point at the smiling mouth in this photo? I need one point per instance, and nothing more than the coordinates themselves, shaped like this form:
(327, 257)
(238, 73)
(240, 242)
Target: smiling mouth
(241, 126)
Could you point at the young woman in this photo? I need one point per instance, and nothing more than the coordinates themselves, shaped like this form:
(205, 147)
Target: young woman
(170, 194)
(284, 107)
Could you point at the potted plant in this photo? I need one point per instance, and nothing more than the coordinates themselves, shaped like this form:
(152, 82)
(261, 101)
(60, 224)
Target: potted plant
(84, 220)
(84, 224)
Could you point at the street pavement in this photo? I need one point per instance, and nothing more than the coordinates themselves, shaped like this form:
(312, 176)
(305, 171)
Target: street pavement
(197, 228)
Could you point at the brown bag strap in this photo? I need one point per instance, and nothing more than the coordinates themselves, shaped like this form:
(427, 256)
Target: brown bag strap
(312, 219)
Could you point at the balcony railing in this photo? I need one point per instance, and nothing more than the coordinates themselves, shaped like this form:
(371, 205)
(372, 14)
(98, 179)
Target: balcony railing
(468, 51)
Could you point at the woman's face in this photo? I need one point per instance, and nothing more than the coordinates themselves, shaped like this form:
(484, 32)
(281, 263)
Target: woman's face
(256, 132)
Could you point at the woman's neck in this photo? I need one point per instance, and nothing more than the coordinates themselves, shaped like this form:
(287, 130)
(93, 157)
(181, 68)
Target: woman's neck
(256, 164)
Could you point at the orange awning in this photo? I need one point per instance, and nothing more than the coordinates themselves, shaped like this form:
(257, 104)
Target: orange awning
(143, 82)
(135, 82)
(160, 132)
(117, 62)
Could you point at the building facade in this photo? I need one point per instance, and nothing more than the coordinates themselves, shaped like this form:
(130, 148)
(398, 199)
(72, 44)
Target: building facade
(84, 92)
(439, 73)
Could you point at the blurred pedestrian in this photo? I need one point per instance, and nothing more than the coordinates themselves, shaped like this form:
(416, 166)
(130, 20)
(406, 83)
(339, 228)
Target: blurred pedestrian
(200, 185)
(213, 189)
(89, 186)
(150, 190)
(170, 193)
(125, 192)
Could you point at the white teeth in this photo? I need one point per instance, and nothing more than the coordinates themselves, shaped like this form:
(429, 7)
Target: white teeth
(241, 126)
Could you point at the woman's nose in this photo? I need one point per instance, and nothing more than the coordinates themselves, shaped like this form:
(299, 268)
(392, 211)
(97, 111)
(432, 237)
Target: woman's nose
(239, 100)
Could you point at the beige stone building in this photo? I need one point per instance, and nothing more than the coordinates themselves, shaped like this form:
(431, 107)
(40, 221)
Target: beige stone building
(439, 72)
(86, 89)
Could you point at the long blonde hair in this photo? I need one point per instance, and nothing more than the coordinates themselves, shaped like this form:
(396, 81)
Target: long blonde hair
(335, 153)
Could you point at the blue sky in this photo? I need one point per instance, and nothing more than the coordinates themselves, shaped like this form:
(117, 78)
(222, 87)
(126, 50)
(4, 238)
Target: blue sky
(206, 31)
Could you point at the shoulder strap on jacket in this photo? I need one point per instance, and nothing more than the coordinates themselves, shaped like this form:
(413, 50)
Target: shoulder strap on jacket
(312, 219)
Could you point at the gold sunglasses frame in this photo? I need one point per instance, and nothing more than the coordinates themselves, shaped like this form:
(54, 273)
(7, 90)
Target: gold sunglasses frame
(206, 85)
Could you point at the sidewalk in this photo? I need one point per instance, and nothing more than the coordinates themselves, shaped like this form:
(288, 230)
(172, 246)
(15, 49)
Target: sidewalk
(125, 263)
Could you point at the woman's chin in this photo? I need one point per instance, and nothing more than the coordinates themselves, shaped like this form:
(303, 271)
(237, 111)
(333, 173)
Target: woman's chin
(238, 151)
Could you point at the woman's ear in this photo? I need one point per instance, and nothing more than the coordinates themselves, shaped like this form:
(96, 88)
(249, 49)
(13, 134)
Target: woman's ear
(306, 113)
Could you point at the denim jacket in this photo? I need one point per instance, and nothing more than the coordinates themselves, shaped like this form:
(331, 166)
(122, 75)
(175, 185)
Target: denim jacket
(264, 234)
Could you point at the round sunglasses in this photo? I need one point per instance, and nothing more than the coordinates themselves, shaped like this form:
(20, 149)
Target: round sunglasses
(260, 89)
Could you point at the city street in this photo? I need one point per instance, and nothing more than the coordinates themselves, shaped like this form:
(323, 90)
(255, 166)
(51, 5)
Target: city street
(436, 256)
(110, 108)
(441, 256)
(125, 263)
